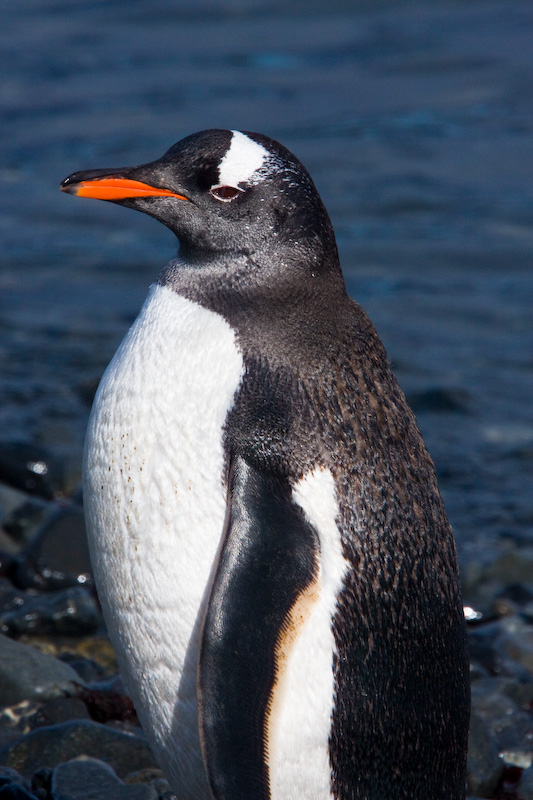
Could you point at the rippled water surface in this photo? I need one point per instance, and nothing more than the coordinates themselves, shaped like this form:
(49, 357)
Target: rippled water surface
(416, 121)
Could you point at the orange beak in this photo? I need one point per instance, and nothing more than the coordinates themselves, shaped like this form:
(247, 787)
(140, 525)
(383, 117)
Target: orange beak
(113, 189)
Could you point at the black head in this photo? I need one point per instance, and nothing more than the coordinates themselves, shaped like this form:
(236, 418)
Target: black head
(221, 192)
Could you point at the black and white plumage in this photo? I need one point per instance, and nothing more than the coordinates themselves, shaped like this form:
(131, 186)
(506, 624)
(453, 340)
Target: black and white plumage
(274, 561)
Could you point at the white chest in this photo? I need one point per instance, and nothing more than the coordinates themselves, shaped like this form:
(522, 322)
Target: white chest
(155, 504)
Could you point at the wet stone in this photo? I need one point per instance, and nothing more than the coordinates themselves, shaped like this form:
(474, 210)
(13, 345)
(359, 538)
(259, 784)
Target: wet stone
(98, 649)
(519, 646)
(513, 566)
(87, 668)
(91, 779)
(10, 597)
(31, 468)
(59, 549)
(13, 499)
(521, 691)
(509, 726)
(56, 744)
(484, 766)
(60, 709)
(518, 593)
(24, 520)
(28, 674)
(481, 641)
(70, 612)
(109, 700)
(41, 783)
(8, 775)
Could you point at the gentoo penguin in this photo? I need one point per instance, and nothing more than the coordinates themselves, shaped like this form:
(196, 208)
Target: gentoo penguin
(272, 554)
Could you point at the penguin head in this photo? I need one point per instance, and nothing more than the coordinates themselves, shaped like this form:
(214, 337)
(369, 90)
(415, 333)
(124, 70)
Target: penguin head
(221, 191)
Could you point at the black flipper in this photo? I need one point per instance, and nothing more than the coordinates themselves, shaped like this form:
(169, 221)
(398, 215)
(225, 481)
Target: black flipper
(268, 558)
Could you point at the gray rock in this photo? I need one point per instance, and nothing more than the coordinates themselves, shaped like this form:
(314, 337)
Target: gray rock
(31, 468)
(60, 709)
(8, 775)
(513, 566)
(490, 698)
(56, 744)
(24, 520)
(484, 766)
(69, 612)
(521, 691)
(91, 779)
(60, 549)
(27, 674)
(519, 646)
(513, 735)
(10, 500)
(509, 726)
(481, 646)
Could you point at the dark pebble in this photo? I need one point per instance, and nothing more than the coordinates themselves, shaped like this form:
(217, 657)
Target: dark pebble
(509, 726)
(481, 643)
(485, 767)
(70, 612)
(58, 743)
(517, 592)
(31, 468)
(109, 700)
(513, 566)
(61, 709)
(92, 779)
(41, 783)
(518, 645)
(28, 674)
(59, 549)
(87, 668)
(24, 520)
(8, 775)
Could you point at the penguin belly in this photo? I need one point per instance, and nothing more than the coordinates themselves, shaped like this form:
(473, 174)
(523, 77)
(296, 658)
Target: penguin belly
(155, 504)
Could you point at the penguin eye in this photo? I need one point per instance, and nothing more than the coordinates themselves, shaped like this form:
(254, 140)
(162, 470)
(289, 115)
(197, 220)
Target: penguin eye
(225, 193)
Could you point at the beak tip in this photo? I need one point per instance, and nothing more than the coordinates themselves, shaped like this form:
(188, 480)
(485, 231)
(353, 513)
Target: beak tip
(68, 186)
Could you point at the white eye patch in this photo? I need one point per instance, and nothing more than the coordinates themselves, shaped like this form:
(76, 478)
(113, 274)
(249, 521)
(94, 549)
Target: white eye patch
(241, 161)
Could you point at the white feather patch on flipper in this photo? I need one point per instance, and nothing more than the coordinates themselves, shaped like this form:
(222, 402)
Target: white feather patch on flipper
(241, 161)
(300, 725)
(155, 505)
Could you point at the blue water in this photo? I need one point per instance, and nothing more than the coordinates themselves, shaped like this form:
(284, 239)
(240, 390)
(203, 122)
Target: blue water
(416, 122)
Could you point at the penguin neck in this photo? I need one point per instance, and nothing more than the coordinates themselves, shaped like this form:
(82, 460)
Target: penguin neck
(276, 279)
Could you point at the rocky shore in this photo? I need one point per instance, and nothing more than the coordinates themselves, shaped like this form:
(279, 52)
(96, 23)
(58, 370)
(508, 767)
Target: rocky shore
(68, 729)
